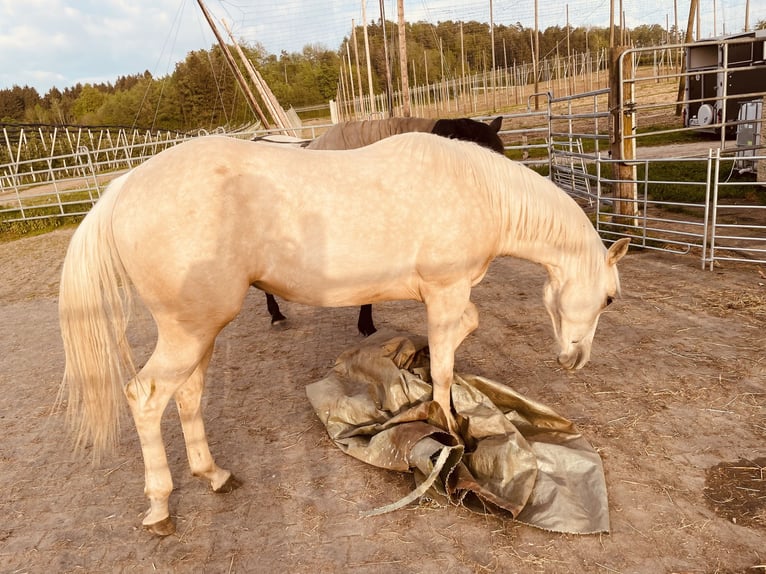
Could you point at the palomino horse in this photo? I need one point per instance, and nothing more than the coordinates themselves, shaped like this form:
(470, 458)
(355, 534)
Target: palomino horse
(195, 226)
(352, 135)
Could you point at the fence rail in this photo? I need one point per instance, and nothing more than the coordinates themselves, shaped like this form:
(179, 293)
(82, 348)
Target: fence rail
(69, 183)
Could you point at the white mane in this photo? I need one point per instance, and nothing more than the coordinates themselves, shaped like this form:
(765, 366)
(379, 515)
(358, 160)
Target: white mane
(537, 212)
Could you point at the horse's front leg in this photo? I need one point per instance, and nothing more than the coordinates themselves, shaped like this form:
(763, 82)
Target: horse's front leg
(364, 324)
(451, 318)
(188, 401)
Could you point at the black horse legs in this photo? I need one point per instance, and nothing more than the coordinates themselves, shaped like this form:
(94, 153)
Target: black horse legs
(364, 324)
(273, 307)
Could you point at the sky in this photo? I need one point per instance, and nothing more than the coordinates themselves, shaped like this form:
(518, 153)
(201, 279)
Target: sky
(60, 43)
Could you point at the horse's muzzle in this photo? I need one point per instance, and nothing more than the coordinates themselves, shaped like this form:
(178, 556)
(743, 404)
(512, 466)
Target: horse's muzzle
(576, 359)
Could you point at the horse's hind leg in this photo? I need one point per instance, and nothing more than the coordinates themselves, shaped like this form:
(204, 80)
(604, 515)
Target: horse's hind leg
(177, 356)
(188, 400)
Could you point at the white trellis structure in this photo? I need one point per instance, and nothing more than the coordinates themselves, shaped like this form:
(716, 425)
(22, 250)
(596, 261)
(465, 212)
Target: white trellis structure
(61, 171)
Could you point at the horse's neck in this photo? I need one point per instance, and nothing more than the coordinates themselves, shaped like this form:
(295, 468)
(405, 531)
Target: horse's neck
(545, 227)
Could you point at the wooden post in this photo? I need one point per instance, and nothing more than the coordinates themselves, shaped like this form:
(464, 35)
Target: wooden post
(693, 9)
(760, 165)
(494, 67)
(462, 62)
(389, 85)
(351, 82)
(367, 59)
(403, 61)
(536, 59)
(444, 96)
(358, 71)
(622, 125)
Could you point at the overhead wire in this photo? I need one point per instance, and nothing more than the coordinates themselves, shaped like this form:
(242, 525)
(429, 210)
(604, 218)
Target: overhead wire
(175, 27)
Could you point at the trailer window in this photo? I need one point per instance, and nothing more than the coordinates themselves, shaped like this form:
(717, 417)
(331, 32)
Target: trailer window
(741, 54)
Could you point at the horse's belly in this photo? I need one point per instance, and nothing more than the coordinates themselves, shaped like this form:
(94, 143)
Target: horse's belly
(319, 290)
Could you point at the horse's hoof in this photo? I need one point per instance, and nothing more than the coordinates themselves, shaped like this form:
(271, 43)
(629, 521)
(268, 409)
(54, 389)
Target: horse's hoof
(164, 527)
(366, 328)
(278, 318)
(231, 483)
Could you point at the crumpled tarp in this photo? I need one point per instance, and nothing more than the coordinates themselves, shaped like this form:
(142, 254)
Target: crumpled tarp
(511, 452)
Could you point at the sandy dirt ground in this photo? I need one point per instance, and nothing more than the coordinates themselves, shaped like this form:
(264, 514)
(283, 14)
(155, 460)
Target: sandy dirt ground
(674, 400)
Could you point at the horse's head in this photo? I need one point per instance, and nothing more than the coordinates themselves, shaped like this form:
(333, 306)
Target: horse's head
(467, 129)
(575, 300)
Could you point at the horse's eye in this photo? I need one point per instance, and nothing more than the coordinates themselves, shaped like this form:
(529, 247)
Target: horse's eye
(609, 301)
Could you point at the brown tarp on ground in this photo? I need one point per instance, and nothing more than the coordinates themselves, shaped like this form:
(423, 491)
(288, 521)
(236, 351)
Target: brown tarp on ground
(512, 453)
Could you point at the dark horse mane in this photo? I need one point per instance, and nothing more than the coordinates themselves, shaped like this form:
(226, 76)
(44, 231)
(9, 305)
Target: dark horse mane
(471, 130)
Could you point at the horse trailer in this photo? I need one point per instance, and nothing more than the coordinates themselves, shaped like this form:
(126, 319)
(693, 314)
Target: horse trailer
(723, 74)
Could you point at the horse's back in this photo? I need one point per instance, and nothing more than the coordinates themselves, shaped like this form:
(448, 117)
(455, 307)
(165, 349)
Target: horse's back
(222, 211)
(356, 134)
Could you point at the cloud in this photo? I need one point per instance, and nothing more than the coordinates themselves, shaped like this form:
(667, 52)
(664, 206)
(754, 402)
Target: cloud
(53, 42)
(45, 43)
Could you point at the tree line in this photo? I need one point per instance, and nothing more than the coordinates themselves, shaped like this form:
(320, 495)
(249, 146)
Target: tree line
(201, 92)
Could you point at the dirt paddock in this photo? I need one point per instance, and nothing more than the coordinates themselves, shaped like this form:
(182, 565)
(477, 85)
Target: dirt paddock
(674, 399)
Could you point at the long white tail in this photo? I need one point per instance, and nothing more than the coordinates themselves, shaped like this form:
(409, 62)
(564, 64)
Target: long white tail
(94, 299)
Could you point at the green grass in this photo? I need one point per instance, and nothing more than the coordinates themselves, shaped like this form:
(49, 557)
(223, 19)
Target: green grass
(686, 179)
(42, 216)
(648, 137)
(13, 230)
(739, 186)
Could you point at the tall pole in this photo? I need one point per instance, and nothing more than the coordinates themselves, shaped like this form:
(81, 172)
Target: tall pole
(715, 20)
(389, 86)
(276, 111)
(621, 124)
(747, 15)
(536, 60)
(367, 57)
(351, 78)
(358, 72)
(443, 94)
(492, 41)
(403, 61)
(462, 61)
(699, 24)
(569, 56)
(249, 96)
(675, 33)
(693, 9)
(622, 25)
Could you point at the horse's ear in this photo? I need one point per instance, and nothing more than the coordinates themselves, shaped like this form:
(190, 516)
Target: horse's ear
(617, 251)
(497, 123)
